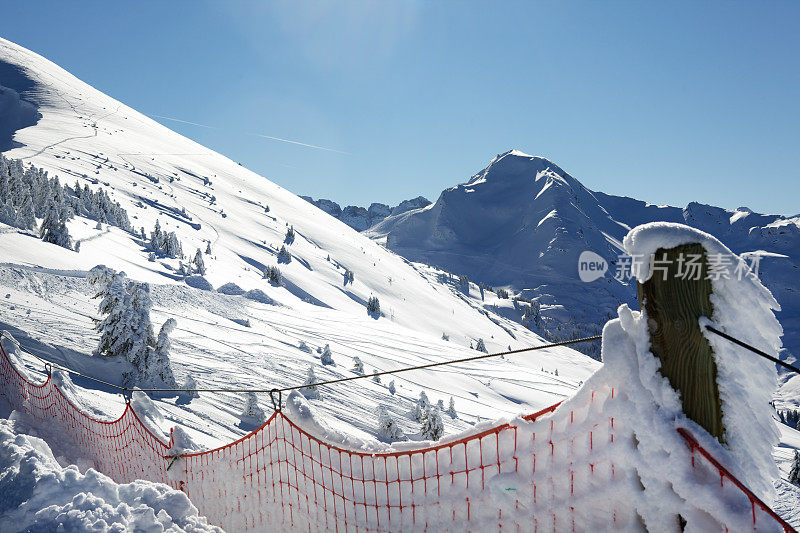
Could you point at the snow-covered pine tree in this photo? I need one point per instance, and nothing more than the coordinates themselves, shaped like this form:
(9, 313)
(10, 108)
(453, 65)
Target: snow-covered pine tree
(327, 358)
(156, 238)
(189, 385)
(272, 274)
(289, 238)
(387, 428)
(420, 407)
(794, 472)
(54, 227)
(445, 336)
(376, 379)
(253, 415)
(26, 217)
(481, 346)
(373, 307)
(310, 390)
(358, 366)
(304, 347)
(157, 369)
(451, 409)
(392, 388)
(284, 256)
(208, 248)
(432, 427)
(199, 264)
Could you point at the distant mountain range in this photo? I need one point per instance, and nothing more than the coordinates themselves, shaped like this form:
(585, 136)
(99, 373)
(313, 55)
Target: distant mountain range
(523, 221)
(362, 218)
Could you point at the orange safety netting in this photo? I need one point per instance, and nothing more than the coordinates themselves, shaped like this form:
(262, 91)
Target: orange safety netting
(551, 471)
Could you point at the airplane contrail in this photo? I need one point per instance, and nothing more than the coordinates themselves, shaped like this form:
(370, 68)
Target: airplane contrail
(257, 135)
(301, 144)
(186, 122)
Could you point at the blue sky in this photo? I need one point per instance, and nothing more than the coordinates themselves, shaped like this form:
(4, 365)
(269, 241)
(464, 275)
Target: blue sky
(667, 102)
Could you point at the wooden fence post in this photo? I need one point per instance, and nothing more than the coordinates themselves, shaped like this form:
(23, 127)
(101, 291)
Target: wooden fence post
(674, 304)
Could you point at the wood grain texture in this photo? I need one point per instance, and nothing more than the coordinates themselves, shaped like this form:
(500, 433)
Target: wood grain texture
(673, 307)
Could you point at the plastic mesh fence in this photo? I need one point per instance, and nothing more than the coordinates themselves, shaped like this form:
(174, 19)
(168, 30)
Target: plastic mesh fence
(543, 472)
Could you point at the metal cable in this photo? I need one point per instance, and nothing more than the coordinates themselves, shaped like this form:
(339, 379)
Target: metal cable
(319, 383)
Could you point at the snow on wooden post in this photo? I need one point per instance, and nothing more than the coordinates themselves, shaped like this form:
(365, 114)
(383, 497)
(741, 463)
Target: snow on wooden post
(674, 299)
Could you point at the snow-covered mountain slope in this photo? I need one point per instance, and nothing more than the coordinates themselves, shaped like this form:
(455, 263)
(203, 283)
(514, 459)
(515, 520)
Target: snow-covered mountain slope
(522, 222)
(82, 135)
(362, 218)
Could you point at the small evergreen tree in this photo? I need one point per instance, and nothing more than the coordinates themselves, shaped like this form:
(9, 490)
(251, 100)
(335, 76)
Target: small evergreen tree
(373, 307)
(208, 248)
(189, 386)
(284, 256)
(376, 379)
(392, 389)
(432, 427)
(387, 429)
(445, 337)
(451, 409)
(310, 390)
(199, 264)
(252, 415)
(481, 347)
(794, 472)
(54, 228)
(272, 274)
(327, 358)
(358, 366)
(157, 368)
(289, 238)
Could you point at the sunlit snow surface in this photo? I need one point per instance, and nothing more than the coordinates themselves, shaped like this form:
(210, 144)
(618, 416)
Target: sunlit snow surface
(155, 173)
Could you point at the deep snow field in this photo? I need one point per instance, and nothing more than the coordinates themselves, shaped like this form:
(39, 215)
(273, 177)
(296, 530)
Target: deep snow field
(251, 340)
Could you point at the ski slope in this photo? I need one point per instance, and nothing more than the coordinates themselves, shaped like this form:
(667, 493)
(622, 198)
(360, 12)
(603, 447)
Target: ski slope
(156, 174)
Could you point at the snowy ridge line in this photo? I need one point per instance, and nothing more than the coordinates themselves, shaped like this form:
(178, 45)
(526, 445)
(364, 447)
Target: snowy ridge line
(568, 467)
(125, 391)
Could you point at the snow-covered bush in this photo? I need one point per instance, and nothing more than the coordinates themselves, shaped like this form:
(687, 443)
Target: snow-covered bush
(358, 366)
(327, 357)
(310, 390)
(272, 274)
(432, 427)
(392, 388)
(445, 336)
(387, 429)
(373, 307)
(481, 346)
(252, 415)
(376, 379)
